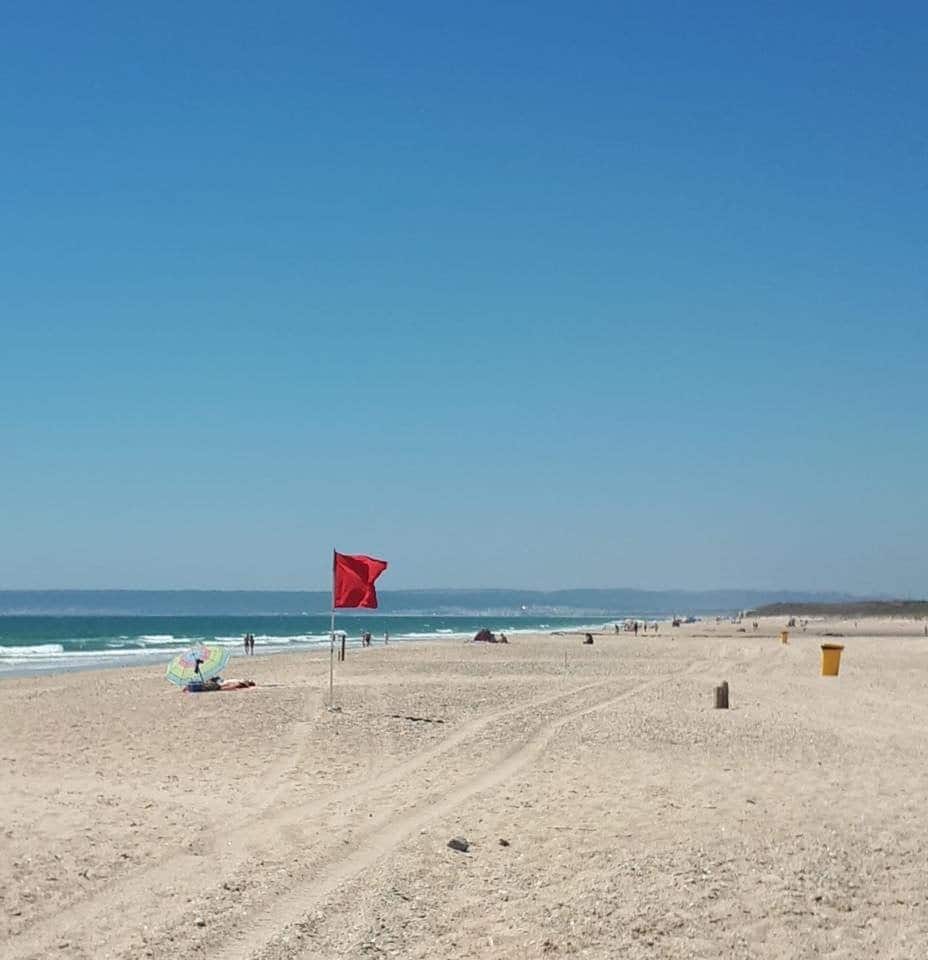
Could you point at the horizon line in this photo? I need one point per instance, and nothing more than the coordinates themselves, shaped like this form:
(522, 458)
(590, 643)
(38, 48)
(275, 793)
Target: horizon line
(507, 589)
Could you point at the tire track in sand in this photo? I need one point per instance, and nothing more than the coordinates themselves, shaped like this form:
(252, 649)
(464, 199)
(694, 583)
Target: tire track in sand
(112, 913)
(372, 845)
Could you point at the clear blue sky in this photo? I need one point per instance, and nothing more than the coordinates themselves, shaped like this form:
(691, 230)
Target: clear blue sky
(515, 294)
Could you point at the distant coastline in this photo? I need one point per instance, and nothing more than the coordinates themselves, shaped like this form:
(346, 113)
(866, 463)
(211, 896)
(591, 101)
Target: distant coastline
(850, 608)
(453, 602)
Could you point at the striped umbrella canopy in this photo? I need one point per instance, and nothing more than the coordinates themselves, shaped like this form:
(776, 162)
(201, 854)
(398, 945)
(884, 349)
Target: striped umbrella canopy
(211, 658)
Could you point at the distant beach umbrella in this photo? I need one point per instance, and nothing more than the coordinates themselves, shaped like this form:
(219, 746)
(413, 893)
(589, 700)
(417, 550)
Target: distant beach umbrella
(210, 659)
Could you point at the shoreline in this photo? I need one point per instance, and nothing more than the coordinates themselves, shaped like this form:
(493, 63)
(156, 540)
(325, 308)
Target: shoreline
(92, 661)
(144, 642)
(147, 662)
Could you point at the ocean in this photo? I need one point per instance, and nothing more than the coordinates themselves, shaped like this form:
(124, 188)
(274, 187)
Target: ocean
(46, 644)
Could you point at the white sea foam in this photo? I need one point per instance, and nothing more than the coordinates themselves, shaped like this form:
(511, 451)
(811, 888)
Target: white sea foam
(40, 650)
(53, 658)
(16, 653)
(155, 648)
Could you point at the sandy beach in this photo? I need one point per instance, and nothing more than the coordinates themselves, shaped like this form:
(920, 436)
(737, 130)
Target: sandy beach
(610, 810)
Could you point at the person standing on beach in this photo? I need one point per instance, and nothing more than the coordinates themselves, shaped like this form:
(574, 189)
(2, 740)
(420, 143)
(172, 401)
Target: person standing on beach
(245, 644)
(386, 638)
(251, 643)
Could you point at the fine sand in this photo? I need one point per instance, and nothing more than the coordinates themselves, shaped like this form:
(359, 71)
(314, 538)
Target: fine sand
(610, 810)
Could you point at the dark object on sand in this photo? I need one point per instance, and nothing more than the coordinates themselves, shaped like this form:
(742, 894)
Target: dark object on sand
(459, 844)
(721, 696)
(217, 683)
(503, 842)
(484, 636)
(588, 638)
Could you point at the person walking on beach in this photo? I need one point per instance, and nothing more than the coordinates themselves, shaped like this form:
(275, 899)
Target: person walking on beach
(251, 643)
(245, 644)
(386, 638)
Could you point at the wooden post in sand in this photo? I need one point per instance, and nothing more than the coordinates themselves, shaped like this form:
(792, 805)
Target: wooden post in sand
(721, 696)
(341, 654)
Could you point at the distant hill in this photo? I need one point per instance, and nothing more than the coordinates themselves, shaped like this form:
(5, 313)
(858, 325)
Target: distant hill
(604, 603)
(852, 608)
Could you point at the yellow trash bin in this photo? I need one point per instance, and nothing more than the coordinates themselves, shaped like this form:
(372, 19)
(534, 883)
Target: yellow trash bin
(784, 636)
(831, 659)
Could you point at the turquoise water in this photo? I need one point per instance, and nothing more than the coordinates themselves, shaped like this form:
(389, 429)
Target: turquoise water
(36, 644)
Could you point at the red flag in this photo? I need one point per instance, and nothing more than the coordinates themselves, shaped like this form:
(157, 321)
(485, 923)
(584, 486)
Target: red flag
(353, 580)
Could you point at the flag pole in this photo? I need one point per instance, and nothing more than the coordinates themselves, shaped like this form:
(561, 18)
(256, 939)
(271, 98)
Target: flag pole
(331, 660)
(332, 639)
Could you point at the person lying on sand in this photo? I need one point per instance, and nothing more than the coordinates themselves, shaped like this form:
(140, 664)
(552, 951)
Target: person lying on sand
(217, 683)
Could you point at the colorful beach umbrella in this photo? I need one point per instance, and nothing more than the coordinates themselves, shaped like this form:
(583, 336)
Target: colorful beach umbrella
(211, 658)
